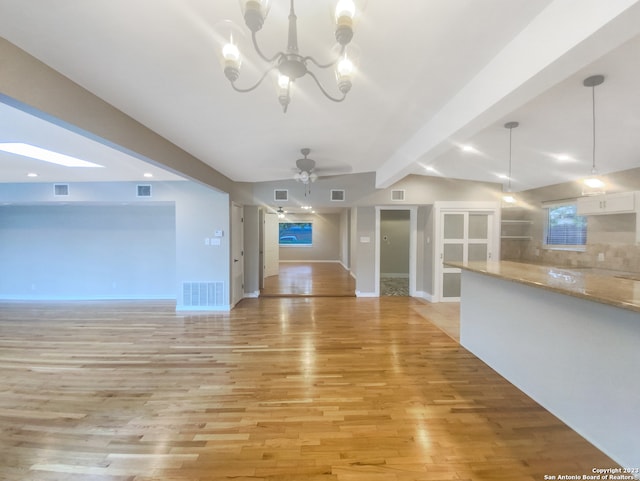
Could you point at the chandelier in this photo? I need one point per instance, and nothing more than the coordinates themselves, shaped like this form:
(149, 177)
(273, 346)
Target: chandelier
(290, 65)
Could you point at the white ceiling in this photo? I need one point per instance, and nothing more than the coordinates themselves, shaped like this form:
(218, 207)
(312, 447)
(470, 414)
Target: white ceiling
(433, 75)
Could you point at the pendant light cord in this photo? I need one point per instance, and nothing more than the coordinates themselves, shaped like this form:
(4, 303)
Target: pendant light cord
(510, 134)
(593, 116)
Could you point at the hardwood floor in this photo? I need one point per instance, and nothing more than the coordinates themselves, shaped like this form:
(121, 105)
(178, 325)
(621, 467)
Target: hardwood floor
(310, 279)
(279, 389)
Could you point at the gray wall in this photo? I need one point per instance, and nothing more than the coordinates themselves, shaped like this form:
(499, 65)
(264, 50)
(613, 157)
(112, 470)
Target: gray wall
(87, 252)
(345, 237)
(365, 250)
(165, 241)
(251, 249)
(326, 239)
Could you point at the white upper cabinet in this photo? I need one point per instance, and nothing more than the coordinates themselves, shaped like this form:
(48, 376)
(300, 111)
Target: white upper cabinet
(621, 203)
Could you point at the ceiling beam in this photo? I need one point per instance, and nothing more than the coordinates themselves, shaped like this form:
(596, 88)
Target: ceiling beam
(567, 36)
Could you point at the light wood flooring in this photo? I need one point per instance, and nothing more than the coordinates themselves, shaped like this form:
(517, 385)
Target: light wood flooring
(279, 389)
(310, 279)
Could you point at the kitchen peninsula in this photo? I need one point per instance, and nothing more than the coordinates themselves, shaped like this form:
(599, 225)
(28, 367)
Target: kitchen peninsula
(569, 338)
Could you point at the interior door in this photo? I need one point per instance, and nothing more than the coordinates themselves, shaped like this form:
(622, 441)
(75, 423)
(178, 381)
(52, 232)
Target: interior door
(466, 236)
(271, 246)
(237, 254)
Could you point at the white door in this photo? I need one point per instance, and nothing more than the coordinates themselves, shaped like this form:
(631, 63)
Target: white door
(271, 246)
(465, 236)
(237, 254)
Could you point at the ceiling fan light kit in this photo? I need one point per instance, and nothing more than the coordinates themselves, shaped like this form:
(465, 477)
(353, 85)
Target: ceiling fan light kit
(290, 65)
(306, 173)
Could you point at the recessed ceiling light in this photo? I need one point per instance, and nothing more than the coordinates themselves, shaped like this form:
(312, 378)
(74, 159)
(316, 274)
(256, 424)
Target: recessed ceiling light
(467, 148)
(563, 158)
(430, 169)
(32, 174)
(502, 176)
(33, 152)
(148, 174)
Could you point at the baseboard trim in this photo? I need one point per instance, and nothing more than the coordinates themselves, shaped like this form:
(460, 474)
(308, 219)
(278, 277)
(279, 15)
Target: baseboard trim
(424, 295)
(309, 261)
(366, 294)
(223, 308)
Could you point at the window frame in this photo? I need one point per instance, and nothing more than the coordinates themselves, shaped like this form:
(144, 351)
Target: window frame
(566, 247)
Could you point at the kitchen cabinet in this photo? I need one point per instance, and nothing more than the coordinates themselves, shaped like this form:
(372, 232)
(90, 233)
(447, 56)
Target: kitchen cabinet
(620, 203)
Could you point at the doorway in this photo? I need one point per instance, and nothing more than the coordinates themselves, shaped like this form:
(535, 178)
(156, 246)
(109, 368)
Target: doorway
(396, 251)
(395, 235)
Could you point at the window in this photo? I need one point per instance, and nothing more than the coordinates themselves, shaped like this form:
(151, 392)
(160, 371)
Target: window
(295, 233)
(565, 228)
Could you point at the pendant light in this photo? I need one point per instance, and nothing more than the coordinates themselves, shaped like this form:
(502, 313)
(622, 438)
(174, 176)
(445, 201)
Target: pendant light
(593, 185)
(508, 196)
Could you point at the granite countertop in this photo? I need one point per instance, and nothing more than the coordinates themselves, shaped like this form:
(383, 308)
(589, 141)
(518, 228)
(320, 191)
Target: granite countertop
(619, 289)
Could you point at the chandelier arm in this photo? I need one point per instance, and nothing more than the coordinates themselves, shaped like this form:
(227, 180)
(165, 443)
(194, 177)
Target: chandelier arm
(326, 65)
(263, 56)
(249, 89)
(326, 94)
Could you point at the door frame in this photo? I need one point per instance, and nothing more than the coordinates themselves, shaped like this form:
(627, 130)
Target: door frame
(413, 245)
(490, 207)
(237, 230)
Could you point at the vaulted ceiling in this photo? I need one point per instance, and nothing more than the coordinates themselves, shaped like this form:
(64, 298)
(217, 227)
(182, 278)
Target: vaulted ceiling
(433, 76)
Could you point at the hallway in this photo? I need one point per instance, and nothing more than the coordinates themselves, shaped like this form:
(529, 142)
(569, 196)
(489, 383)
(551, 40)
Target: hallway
(310, 279)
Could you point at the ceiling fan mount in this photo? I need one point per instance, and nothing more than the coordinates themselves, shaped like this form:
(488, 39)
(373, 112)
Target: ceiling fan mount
(305, 164)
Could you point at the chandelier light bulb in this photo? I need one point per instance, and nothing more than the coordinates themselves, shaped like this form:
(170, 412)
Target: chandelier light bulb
(283, 81)
(345, 67)
(231, 52)
(304, 176)
(345, 9)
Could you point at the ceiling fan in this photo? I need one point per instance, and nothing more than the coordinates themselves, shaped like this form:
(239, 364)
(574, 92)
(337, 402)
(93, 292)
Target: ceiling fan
(307, 173)
(306, 168)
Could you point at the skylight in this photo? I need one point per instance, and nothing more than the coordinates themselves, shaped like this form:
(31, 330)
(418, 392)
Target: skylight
(33, 152)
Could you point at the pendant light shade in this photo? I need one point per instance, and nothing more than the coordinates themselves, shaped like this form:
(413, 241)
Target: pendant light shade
(508, 197)
(593, 184)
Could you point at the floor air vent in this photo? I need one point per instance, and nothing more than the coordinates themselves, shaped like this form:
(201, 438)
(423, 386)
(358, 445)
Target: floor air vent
(203, 294)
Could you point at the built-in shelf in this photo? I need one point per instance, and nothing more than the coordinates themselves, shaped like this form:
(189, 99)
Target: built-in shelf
(515, 229)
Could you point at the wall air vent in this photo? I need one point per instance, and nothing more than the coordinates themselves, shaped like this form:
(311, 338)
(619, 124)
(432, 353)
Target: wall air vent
(203, 294)
(337, 195)
(397, 195)
(60, 189)
(281, 194)
(144, 190)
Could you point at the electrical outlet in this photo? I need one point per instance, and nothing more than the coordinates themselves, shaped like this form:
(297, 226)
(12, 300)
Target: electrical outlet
(600, 256)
